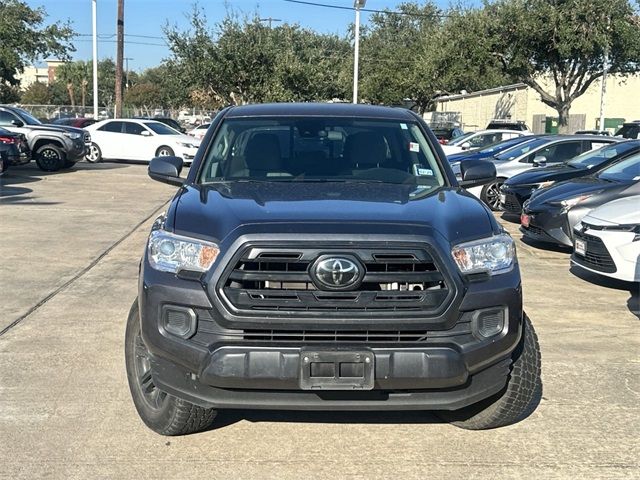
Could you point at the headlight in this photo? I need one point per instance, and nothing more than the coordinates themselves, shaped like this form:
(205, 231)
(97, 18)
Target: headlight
(546, 184)
(492, 255)
(72, 135)
(168, 252)
(187, 145)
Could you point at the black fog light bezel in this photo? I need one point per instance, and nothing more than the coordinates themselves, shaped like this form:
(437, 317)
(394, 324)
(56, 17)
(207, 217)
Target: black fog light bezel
(477, 327)
(168, 329)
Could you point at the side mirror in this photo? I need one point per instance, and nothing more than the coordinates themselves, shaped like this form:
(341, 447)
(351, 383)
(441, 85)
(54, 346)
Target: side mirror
(167, 170)
(465, 146)
(476, 172)
(17, 123)
(145, 133)
(540, 161)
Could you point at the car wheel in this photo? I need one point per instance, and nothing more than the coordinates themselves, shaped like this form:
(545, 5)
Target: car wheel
(50, 158)
(94, 155)
(164, 151)
(491, 194)
(161, 412)
(517, 400)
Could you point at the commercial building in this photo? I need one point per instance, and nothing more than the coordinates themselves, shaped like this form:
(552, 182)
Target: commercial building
(45, 73)
(522, 103)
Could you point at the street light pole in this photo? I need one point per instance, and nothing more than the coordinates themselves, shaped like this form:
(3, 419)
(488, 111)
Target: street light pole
(357, 4)
(94, 14)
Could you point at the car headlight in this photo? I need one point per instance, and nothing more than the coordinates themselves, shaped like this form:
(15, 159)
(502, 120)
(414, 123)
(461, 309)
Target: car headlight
(168, 252)
(187, 145)
(72, 135)
(573, 201)
(546, 184)
(493, 255)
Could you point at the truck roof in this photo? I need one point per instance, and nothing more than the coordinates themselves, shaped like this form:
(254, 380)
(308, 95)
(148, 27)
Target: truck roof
(320, 110)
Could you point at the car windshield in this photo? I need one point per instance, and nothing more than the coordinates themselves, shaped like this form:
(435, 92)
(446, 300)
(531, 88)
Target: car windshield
(623, 171)
(461, 139)
(631, 130)
(161, 128)
(521, 149)
(597, 157)
(27, 118)
(503, 145)
(327, 149)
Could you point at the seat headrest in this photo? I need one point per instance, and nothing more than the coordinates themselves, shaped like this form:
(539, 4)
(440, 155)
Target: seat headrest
(262, 153)
(365, 149)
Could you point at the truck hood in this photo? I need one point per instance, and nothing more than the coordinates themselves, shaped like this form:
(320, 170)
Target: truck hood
(215, 211)
(55, 128)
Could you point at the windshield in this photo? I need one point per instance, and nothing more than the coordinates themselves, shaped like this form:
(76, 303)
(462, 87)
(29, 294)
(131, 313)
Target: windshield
(597, 157)
(521, 149)
(27, 118)
(161, 128)
(460, 139)
(503, 145)
(623, 171)
(631, 130)
(332, 149)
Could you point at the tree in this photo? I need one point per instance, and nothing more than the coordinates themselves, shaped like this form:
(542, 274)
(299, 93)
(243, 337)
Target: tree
(23, 38)
(562, 42)
(144, 95)
(67, 74)
(37, 93)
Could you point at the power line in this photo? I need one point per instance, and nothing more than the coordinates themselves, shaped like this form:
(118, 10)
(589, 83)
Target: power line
(370, 10)
(129, 43)
(111, 35)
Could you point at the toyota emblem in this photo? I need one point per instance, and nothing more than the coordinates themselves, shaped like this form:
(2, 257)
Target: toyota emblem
(336, 273)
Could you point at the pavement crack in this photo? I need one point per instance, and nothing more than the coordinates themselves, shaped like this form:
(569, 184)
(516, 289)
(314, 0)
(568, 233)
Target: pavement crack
(82, 272)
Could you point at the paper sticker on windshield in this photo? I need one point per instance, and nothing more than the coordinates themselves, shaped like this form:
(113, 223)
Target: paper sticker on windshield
(403, 126)
(414, 147)
(425, 172)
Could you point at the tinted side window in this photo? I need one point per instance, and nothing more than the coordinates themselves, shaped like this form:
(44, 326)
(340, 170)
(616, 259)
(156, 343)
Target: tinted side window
(561, 152)
(6, 118)
(133, 128)
(112, 127)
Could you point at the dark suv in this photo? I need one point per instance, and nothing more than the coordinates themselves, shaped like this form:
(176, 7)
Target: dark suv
(324, 257)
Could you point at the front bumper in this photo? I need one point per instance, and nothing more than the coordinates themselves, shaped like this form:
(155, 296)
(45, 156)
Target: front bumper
(512, 199)
(221, 367)
(552, 225)
(76, 150)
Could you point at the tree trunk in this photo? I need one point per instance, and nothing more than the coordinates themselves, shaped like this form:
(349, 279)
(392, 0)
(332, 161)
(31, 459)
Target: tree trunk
(84, 93)
(72, 97)
(563, 117)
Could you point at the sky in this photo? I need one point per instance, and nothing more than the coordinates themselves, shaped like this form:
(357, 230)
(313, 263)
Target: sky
(146, 18)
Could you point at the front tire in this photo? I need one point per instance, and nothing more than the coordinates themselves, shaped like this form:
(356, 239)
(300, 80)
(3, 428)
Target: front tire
(50, 158)
(161, 412)
(94, 155)
(518, 399)
(491, 194)
(164, 151)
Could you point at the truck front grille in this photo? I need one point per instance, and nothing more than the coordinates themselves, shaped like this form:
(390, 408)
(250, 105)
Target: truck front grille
(406, 281)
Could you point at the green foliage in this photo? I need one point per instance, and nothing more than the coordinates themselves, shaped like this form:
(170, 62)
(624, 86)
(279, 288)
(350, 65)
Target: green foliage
(245, 61)
(562, 40)
(36, 94)
(23, 38)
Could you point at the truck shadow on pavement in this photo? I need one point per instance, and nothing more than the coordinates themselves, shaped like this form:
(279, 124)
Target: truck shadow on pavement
(633, 303)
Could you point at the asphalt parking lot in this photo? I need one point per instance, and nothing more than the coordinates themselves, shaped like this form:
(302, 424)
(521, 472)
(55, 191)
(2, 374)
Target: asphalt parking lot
(70, 248)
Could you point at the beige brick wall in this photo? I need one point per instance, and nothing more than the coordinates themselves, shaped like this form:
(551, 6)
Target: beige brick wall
(522, 103)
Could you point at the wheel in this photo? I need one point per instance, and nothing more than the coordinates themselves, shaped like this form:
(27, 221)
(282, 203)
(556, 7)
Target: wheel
(491, 194)
(161, 412)
(50, 158)
(94, 155)
(518, 399)
(165, 151)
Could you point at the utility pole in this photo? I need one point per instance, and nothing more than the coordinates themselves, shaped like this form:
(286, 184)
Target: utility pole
(270, 20)
(357, 4)
(119, 58)
(94, 14)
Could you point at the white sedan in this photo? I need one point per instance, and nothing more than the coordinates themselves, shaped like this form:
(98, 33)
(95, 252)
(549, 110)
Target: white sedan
(607, 240)
(125, 139)
(200, 131)
(480, 139)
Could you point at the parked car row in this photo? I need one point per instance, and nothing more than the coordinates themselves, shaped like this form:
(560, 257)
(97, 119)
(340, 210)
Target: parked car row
(577, 191)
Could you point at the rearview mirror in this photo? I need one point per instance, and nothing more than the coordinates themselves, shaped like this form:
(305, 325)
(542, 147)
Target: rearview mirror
(167, 170)
(476, 172)
(540, 161)
(17, 123)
